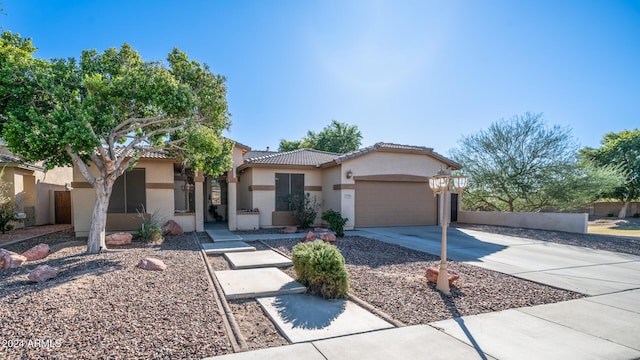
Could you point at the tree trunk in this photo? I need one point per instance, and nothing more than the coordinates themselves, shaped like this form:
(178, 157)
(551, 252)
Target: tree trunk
(96, 241)
(623, 211)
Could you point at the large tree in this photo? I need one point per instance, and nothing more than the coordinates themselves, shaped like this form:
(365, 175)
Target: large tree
(65, 111)
(521, 164)
(337, 137)
(620, 149)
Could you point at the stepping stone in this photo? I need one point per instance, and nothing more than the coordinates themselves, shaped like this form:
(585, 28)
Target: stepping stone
(222, 235)
(250, 283)
(227, 246)
(307, 318)
(257, 259)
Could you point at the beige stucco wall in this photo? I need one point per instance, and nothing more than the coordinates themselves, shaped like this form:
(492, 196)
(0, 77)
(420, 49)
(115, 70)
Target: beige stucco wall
(380, 163)
(383, 163)
(265, 200)
(46, 184)
(160, 200)
(575, 223)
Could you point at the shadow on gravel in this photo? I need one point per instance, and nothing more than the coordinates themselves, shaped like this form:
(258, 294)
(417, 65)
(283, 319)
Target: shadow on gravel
(14, 282)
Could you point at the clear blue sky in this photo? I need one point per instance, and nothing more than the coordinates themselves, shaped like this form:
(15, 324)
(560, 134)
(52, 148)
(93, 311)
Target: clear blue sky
(409, 72)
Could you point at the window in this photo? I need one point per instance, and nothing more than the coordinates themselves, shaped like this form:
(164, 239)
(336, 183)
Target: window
(286, 186)
(129, 193)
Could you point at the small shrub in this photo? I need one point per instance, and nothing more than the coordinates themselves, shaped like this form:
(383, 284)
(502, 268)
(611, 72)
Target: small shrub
(305, 209)
(610, 215)
(321, 268)
(8, 214)
(335, 220)
(150, 230)
(636, 215)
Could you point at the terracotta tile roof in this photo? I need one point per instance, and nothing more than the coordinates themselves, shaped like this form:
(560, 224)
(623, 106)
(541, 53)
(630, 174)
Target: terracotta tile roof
(316, 158)
(300, 157)
(149, 155)
(9, 158)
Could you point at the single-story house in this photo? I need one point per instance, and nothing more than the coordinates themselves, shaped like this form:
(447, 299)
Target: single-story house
(380, 185)
(43, 196)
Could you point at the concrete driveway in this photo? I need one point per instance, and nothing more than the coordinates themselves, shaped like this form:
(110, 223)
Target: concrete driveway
(579, 269)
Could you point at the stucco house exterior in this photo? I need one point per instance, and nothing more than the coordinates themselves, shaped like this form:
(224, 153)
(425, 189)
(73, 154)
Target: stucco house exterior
(380, 185)
(42, 195)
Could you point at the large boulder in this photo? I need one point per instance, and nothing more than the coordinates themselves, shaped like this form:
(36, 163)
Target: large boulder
(172, 228)
(118, 239)
(37, 252)
(42, 273)
(432, 275)
(327, 237)
(152, 264)
(10, 260)
(289, 230)
(310, 236)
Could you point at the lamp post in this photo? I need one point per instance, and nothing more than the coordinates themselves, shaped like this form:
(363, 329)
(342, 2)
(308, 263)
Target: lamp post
(441, 183)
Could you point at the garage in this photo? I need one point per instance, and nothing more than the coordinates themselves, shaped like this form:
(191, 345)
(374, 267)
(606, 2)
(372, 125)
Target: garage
(394, 203)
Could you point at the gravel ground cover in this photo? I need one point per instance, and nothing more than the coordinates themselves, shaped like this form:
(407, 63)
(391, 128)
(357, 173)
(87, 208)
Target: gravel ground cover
(103, 306)
(392, 279)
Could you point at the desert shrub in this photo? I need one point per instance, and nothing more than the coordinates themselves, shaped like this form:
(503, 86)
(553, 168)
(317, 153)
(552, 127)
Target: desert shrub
(305, 209)
(150, 230)
(8, 214)
(335, 220)
(321, 268)
(8, 207)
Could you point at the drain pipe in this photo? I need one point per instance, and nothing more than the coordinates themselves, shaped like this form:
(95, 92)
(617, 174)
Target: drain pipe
(238, 342)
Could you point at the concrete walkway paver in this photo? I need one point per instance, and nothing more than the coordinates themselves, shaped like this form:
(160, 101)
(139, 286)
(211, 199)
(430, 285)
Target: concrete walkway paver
(596, 327)
(250, 283)
(514, 334)
(306, 317)
(257, 259)
(227, 246)
(606, 322)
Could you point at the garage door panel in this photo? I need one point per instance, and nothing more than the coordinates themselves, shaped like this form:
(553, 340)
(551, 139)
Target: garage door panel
(388, 203)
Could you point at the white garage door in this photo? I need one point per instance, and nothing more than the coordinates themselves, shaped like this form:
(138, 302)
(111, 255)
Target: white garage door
(394, 203)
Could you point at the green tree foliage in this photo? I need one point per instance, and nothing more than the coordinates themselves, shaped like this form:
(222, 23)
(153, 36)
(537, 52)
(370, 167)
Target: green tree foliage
(68, 111)
(337, 138)
(621, 150)
(520, 164)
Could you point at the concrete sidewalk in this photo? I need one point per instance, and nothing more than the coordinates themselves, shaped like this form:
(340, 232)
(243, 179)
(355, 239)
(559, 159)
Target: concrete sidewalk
(597, 327)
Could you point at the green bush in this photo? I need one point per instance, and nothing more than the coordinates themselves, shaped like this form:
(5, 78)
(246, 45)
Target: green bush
(335, 220)
(305, 209)
(8, 213)
(321, 268)
(150, 230)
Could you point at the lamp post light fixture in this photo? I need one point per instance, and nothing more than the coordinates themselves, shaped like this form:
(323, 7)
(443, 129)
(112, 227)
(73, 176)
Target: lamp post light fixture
(442, 183)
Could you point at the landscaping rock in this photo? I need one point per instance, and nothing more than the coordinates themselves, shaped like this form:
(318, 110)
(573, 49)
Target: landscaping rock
(432, 275)
(152, 264)
(172, 228)
(10, 260)
(321, 230)
(42, 273)
(37, 252)
(327, 237)
(289, 230)
(309, 237)
(118, 239)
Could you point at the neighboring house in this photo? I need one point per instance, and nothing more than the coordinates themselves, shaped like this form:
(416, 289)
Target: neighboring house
(42, 195)
(380, 185)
